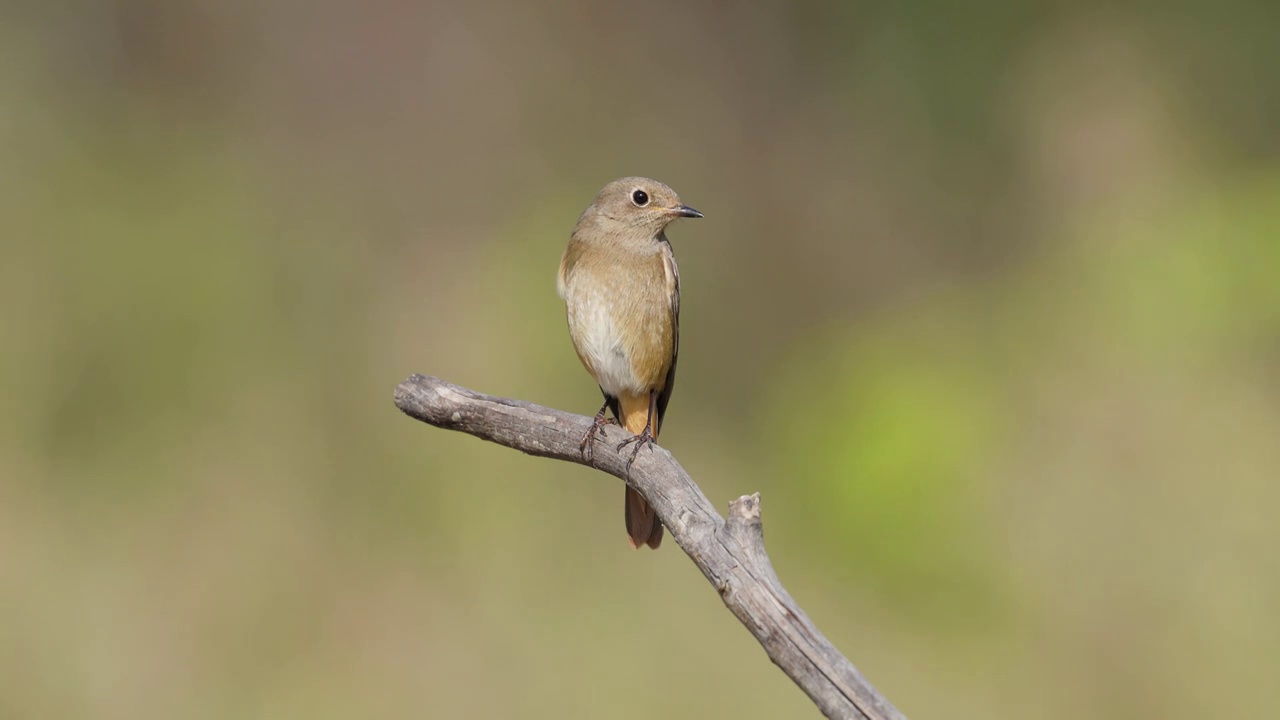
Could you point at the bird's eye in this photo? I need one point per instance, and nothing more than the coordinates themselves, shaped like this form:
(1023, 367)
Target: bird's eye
(640, 198)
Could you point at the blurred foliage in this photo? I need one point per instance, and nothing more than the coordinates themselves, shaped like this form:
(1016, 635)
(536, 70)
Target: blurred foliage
(985, 304)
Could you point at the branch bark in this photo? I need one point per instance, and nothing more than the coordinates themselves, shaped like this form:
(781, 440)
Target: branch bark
(729, 553)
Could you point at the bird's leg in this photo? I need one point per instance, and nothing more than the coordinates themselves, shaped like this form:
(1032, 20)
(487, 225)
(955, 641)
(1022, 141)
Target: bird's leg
(645, 438)
(597, 426)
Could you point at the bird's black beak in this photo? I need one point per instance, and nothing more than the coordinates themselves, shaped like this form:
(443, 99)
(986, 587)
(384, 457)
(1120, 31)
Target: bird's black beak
(688, 212)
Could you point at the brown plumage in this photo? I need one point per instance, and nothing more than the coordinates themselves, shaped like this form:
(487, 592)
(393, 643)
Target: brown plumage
(621, 289)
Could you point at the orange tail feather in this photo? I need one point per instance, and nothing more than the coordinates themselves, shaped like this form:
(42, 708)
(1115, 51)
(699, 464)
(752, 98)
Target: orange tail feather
(643, 525)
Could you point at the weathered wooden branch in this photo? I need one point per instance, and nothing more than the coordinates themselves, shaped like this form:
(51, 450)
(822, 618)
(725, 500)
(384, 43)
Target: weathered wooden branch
(730, 554)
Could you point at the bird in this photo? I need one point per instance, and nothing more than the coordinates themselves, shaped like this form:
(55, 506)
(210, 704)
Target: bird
(621, 289)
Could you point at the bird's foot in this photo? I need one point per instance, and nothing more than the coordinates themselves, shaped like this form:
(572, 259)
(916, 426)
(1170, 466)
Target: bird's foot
(644, 439)
(597, 426)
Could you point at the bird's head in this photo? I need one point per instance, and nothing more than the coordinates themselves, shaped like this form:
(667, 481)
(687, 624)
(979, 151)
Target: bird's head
(633, 204)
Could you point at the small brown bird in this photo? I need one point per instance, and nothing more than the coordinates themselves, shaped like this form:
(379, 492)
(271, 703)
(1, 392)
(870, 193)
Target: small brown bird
(621, 290)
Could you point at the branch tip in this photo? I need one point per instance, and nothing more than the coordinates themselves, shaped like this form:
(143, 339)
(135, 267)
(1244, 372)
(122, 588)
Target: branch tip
(747, 507)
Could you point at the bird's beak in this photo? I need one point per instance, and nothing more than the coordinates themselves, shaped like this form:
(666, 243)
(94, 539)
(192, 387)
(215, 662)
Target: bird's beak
(685, 211)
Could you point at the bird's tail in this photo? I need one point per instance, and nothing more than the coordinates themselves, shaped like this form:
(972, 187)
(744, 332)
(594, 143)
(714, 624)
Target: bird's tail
(643, 525)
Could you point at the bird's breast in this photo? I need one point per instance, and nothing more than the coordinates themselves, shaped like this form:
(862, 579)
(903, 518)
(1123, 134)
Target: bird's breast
(622, 327)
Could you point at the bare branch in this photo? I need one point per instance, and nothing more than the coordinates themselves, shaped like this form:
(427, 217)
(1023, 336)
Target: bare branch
(730, 554)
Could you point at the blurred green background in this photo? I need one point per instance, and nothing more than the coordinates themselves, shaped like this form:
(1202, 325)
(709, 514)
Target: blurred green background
(986, 305)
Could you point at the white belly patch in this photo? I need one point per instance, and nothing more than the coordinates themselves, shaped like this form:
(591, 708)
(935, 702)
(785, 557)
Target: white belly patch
(599, 342)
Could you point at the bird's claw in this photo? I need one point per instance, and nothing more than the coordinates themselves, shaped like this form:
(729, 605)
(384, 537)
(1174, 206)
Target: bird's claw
(597, 426)
(644, 439)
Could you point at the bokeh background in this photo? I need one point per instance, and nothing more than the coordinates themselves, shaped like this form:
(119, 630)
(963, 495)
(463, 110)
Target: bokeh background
(986, 305)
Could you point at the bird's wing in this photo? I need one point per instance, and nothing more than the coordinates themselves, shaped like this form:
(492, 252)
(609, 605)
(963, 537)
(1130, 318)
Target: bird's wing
(570, 258)
(672, 274)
